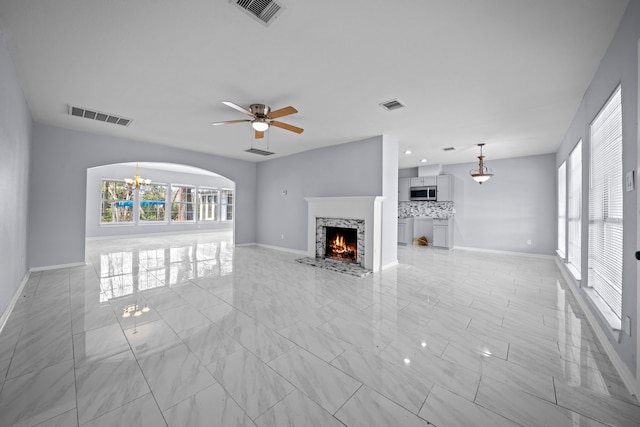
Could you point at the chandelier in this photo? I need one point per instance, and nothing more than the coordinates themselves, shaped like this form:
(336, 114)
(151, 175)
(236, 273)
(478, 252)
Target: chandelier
(481, 173)
(136, 182)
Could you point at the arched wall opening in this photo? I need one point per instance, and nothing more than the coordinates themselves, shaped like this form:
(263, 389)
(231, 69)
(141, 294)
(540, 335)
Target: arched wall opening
(60, 159)
(161, 206)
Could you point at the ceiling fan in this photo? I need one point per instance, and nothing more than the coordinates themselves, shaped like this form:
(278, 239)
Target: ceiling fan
(262, 118)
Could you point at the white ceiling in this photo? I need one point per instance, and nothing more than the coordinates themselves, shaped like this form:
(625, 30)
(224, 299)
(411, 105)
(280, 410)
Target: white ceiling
(509, 73)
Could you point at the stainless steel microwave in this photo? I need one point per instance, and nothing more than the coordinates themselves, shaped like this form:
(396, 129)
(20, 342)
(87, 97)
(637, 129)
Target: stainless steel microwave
(424, 193)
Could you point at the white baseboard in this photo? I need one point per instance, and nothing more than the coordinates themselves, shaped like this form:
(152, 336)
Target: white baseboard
(56, 267)
(391, 264)
(625, 373)
(158, 234)
(14, 300)
(277, 248)
(495, 251)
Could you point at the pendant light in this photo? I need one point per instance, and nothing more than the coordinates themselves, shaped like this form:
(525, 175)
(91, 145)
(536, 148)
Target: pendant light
(481, 173)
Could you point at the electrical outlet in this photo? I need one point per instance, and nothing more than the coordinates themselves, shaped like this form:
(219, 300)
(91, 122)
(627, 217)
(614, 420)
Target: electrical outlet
(282, 237)
(529, 242)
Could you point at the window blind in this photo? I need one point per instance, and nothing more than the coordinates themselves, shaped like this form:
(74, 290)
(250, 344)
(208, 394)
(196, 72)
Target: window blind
(562, 209)
(574, 209)
(605, 204)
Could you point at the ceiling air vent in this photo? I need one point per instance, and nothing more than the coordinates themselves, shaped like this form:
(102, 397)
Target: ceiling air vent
(257, 151)
(393, 104)
(99, 116)
(449, 149)
(264, 11)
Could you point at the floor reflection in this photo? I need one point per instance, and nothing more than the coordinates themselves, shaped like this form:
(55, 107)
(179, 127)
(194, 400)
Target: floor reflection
(220, 335)
(151, 263)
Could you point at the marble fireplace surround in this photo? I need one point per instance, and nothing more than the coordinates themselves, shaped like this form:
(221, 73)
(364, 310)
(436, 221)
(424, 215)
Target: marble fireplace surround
(321, 235)
(364, 208)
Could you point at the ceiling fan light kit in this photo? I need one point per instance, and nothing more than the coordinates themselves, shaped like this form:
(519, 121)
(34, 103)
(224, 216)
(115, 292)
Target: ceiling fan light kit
(262, 118)
(260, 125)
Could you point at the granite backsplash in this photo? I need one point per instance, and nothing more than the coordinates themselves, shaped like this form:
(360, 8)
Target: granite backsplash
(430, 209)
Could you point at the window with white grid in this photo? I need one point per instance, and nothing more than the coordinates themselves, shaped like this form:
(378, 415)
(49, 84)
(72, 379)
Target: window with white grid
(182, 203)
(605, 204)
(562, 209)
(208, 204)
(116, 202)
(226, 205)
(574, 210)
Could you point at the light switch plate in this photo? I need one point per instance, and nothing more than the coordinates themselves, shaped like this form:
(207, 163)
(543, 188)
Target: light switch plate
(629, 181)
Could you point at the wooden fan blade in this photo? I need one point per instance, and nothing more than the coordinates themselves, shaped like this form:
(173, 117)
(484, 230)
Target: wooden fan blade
(259, 134)
(282, 112)
(287, 127)
(237, 107)
(228, 122)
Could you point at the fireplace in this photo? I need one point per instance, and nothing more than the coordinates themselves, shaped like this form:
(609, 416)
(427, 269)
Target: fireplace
(341, 244)
(340, 239)
(362, 215)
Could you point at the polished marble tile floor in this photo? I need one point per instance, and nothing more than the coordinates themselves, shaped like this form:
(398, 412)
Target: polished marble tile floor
(189, 331)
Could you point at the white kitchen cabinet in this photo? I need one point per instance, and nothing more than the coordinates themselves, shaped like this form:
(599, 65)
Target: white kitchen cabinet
(445, 188)
(404, 192)
(405, 231)
(423, 181)
(402, 233)
(429, 181)
(443, 233)
(439, 236)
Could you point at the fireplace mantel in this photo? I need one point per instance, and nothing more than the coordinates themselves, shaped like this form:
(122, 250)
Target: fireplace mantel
(367, 208)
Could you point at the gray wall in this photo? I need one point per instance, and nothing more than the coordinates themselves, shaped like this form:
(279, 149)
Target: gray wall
(120, 171)
(516, 205)
(59, 162)
(351, 169)
(389, 250)
(15, 146)
(619, 66)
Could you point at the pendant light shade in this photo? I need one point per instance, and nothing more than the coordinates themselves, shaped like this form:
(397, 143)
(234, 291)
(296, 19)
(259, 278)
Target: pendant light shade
(481, 173)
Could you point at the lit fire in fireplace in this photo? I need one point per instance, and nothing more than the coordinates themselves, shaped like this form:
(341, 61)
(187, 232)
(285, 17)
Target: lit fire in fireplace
(340, 248)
